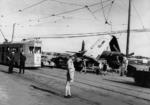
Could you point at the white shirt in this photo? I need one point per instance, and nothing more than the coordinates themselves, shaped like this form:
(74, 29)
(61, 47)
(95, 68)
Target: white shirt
(70, 65)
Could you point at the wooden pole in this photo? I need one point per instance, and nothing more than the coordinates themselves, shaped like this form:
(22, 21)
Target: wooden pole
(128, 29)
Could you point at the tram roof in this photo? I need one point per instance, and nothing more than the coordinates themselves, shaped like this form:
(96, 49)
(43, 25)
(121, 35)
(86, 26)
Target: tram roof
(21, 42)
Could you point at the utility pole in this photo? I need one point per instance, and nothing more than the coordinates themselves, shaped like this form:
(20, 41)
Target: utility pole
(128, 29)
(13, 32)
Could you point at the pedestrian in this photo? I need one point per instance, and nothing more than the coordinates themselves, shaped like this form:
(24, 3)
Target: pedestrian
(70, 76)
(22, 62)
(11, 62)
(100, 67)
(105, 67)
(84, 69)
(124, 66)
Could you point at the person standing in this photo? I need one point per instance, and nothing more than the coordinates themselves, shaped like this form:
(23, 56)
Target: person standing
(11, 58)
(22, 62)
(124, 66)
(70, 76)
(84, 69)
(105, 67)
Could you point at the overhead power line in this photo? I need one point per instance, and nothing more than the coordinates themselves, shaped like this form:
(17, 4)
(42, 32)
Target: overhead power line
(33, 5)
(62, 13)
(110, 8)
(78, 35)
(87, 7)
(138, 15)
(103, 10)
(68, 3)
(106, 17)
(140, 19)
(40, 2)
(73, 10)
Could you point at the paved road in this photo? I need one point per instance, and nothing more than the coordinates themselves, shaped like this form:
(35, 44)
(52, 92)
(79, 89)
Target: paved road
(16, 89)
(47, 88)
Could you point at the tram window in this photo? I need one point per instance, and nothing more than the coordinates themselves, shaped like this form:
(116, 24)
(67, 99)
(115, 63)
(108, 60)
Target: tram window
(31, 49)
(37, 49)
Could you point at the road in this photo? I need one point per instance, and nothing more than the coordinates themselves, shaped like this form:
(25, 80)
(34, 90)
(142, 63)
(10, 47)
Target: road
(88, 89)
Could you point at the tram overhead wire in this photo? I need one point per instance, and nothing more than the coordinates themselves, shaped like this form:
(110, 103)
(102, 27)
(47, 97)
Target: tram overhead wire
(73, 10)
(78, 35)
(65, 12)
(138, 15)
(33, 5)
(40, 2)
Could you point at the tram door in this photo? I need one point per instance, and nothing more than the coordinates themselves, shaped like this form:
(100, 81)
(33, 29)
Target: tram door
(2, 56)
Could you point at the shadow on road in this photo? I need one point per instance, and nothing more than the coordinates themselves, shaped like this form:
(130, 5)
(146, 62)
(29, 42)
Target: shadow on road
(7, 72)
(128, 83)
(122, 82)
(46, 90)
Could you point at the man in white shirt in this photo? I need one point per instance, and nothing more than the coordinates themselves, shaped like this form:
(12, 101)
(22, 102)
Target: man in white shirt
(124, 66)
(70, 76)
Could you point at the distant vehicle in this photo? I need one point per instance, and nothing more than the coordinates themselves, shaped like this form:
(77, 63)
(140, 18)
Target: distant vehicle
(31, 49)
(45, 61)
(60, 61)
(139, 69)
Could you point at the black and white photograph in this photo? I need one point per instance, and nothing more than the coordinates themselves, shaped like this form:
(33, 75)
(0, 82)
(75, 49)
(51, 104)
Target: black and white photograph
(74, 52)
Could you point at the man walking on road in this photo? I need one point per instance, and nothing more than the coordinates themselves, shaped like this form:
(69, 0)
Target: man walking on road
(22, 62)
(70, 76)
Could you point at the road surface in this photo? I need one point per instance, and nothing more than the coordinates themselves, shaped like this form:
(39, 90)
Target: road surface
(46, 86)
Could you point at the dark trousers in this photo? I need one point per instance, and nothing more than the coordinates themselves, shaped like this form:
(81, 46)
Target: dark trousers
(21, 68)
(10, 69)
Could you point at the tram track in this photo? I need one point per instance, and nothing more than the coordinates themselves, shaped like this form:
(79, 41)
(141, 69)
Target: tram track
(108, 83)
(138, 92)
(96, 86)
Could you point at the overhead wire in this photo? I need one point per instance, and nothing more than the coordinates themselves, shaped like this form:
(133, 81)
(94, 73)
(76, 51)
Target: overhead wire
(33, 5)
(103, 12)
(108, 15)
(138, 15)
(78, 35)
(101, 8)
(110, 9)
(68, 3)
(58, 14)
(135, 11)
(40, 2)
(87, 7)
(73, 10)
(63, 17)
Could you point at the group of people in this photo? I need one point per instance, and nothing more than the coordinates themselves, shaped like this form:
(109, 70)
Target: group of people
(11, 62)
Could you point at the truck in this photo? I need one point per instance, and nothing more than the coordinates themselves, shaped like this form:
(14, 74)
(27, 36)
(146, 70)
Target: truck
(139, 69)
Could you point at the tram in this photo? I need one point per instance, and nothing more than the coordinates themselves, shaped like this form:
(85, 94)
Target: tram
(30, 48)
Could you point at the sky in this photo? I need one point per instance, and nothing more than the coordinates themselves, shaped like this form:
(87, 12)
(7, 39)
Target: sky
(38, 18)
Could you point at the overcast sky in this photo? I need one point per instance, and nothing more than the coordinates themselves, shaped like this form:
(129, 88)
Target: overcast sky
(36, 18)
